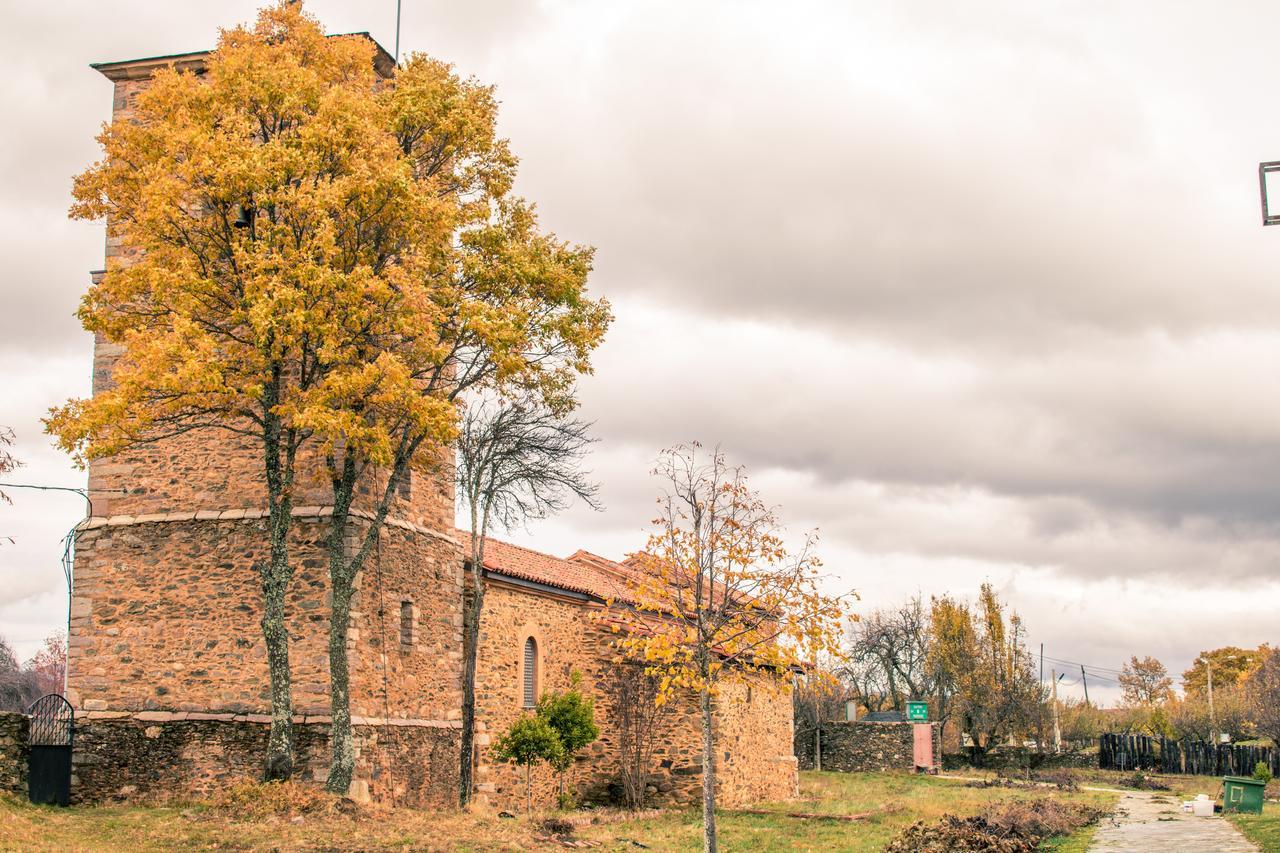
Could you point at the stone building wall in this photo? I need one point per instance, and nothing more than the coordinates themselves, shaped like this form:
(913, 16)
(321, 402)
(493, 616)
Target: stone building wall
(754, 734)
(182, 756)
(13, 752)
(167, 616)
(860, 747)
(753, 739)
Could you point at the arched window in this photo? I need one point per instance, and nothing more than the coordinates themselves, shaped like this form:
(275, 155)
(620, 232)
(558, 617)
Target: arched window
(530, 673)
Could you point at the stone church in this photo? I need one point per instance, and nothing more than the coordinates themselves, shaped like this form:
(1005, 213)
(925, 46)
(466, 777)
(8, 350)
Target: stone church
(167, 670)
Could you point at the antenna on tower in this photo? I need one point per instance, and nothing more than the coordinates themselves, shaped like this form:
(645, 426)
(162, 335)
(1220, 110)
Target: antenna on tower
(397, 32)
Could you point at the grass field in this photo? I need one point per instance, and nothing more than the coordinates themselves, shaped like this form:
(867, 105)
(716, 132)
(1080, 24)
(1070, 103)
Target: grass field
(1264, 829)
(894, 801)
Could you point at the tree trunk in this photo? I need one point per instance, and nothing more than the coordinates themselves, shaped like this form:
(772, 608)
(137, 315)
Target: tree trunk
(276, 574)
(279, 760)
(472, 610)
(470, 648)
(343, 761)
(342, 569)
(709, 843)
(528, 788)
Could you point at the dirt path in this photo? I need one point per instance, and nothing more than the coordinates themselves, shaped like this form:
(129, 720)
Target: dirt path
(1155, 821)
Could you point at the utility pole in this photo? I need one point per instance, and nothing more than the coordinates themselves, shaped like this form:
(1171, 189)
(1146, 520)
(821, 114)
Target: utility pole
(397, 32)
(1084, 678)
(1213, 720)
(1057, 730)
(817, 742)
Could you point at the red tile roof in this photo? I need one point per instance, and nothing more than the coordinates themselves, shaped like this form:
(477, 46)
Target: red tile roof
(581, 572)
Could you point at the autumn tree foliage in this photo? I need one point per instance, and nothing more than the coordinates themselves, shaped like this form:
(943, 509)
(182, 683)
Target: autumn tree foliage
(718, 597)
(982, 660)
(889, 657)
(328, 260)
(8, 463)
(1230, 666)
(1145, 682)
(1263, 693)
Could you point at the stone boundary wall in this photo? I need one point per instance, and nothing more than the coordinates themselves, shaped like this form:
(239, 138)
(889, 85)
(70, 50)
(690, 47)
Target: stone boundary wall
(13, 752)
(862, 747)
(118, 756)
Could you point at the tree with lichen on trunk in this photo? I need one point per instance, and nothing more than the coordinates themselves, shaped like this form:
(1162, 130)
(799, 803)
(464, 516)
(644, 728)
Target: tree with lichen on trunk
(718, 598)
(381, 270)
(244, 189)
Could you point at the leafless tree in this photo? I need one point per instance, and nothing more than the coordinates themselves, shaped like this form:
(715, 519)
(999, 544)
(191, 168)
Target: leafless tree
(865, 676)
(48, 667)
(636, 712)
(18, 687)
(892, 650)
(819, 697)
(7, 465)
(517, 461)
(1263, 690)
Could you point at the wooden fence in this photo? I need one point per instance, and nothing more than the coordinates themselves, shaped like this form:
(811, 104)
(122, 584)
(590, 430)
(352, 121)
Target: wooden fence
(1141, 752)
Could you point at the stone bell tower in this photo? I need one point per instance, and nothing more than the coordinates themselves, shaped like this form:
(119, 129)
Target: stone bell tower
(167, 662)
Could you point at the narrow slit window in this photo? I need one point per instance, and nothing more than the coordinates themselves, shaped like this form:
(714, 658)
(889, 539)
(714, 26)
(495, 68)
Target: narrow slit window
(530, 673)
(406, 623)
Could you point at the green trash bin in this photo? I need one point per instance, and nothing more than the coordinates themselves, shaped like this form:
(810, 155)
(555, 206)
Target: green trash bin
(1242, 794)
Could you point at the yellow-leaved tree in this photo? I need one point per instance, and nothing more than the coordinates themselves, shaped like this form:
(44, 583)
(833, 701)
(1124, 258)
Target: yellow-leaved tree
(716, 596)
(329, 257)
(980, 657)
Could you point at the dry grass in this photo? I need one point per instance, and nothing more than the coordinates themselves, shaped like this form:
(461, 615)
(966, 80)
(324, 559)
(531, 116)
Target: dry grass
(288, 818)
(895, 801)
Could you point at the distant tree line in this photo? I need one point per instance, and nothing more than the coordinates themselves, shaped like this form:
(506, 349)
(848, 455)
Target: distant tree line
(1228, 691)
(970, 662)
(22, 684)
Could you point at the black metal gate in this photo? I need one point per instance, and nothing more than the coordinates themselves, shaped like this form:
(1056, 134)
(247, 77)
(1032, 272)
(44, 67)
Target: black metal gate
(49, 766)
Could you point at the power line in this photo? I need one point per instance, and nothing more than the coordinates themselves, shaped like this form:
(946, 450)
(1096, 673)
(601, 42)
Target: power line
(1088, 666)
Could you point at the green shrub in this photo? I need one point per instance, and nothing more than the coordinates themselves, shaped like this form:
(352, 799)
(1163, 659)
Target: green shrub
(573, 718)
(1262, 772)
(528, 741)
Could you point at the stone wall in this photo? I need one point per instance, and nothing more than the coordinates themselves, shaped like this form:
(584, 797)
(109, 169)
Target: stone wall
(13, 752)
(187, 636)
(754, 730)
(162, 755)
(753, 737)
(860, 747)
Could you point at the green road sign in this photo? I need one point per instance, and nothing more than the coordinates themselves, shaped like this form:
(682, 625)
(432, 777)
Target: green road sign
(918, 712)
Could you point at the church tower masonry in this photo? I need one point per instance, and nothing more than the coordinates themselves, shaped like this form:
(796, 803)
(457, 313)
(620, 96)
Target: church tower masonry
(166, 635)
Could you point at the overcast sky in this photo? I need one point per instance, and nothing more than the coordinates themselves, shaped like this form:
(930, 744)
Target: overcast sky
(979, 290)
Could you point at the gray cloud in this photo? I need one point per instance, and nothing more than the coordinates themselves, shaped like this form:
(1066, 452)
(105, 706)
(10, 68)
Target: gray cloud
(977, 289)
